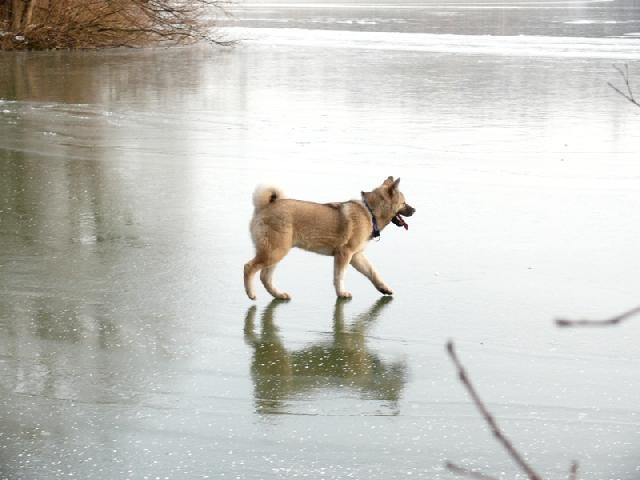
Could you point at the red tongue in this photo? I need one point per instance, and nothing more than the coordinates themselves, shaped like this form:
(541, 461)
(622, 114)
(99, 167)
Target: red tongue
(401, 222)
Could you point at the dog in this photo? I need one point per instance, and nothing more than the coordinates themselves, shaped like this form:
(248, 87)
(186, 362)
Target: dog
(341, 230)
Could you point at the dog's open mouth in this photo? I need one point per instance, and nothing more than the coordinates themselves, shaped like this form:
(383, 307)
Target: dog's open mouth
(399, 221)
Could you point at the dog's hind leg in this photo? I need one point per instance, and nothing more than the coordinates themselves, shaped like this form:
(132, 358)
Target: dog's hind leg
(361, 264)
(265, 261)
(265, 276)
(250, 269)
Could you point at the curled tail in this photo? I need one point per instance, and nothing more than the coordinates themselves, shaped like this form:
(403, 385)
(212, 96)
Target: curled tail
(264, 195)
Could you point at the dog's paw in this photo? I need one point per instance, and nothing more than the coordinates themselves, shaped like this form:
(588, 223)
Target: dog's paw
(282, 296)
(344, 295)
(385, 290)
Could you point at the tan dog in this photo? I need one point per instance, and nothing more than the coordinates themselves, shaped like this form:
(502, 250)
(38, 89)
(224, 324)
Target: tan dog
(338, 229)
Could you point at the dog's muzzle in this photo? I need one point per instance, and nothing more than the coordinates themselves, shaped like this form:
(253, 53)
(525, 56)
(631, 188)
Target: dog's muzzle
(406, 211)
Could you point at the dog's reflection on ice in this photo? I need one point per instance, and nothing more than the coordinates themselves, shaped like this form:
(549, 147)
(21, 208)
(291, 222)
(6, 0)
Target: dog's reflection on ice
(343, 361)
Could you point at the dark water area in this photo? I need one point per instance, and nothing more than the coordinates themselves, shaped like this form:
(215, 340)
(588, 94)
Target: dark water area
(128, 348)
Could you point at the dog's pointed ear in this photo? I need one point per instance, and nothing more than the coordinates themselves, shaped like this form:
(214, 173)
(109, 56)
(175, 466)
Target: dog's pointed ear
(394, 185)
(388, 181)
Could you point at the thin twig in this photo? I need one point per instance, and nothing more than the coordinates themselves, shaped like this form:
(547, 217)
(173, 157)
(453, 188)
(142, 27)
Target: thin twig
(488, 417)
(563, 322)
(465, 472)
(625, 77)
(573, 472)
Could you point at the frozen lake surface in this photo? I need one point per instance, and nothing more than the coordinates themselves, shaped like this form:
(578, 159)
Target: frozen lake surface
(129, 350)
(574, 18)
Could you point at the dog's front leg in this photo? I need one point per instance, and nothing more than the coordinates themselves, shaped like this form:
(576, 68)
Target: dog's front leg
(340, 261)
(361, 264)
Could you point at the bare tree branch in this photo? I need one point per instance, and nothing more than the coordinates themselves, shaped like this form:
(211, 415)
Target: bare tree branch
(573, 472)
(628, 94)
(465, 472)
(489, 419)
(563, 322)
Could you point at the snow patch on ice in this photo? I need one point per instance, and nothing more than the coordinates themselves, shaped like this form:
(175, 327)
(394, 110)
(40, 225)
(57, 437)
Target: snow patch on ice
(593, 22)
(524, 45)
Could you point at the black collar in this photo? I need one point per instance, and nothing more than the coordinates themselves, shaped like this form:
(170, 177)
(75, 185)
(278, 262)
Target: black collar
(375, 233)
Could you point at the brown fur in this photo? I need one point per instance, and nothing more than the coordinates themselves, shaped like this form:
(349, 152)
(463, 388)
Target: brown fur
(341, 230)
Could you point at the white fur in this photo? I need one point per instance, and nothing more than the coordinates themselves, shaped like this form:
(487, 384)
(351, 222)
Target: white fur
(263, 195)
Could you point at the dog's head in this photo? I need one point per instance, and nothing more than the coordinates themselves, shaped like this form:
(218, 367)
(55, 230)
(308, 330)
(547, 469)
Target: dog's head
(391, 204)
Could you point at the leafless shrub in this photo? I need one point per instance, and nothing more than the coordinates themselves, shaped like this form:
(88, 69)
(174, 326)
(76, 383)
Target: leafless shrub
(44, 24)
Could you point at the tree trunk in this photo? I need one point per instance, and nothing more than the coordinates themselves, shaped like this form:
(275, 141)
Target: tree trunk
(28, 13)
(15, 15)
(20, 13)
(4, 11)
